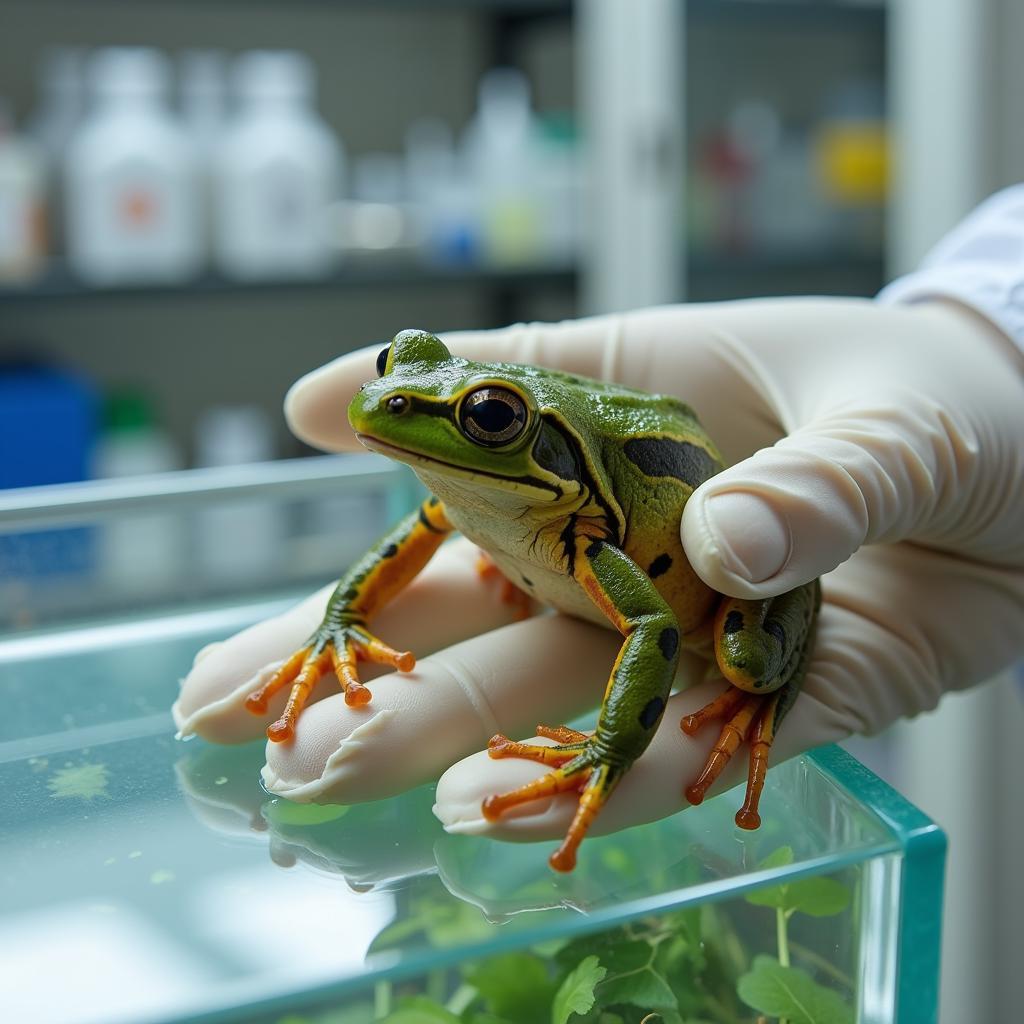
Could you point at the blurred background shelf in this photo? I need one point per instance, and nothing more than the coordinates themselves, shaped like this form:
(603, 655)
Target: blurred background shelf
(826, 271)
(801, 13)
(59, 284)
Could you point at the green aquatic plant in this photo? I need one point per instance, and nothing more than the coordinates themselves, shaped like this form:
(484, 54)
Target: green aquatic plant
(773, 986)
(688, 966)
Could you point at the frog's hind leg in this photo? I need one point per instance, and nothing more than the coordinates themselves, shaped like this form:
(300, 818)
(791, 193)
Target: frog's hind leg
(762, 648)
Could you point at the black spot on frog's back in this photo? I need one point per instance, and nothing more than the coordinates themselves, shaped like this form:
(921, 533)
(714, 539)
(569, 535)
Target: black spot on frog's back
(666, 456)
(660, 566)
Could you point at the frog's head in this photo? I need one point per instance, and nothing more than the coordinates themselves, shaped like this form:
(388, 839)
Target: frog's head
(445, 415)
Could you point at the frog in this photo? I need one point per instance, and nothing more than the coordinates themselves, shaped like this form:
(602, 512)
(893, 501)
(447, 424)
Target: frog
(574, 488)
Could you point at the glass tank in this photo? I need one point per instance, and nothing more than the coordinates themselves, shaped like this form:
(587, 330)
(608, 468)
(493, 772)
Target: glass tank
(144, 879)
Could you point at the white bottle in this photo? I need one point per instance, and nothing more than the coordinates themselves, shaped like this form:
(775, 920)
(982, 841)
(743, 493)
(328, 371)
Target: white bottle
(239, 541)
(500, 149)
(560, 191)
(132, 212)
(443, 203)
(203, 99)
(276, 172)
(22, 205)
(203, 102)
(53, 122)
(61, 101)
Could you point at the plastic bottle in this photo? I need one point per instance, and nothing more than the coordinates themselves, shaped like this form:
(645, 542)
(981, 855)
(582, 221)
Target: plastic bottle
(203, 114)
(239, 541)
(203, 98)
(22, 205)
(53, 122)
(277, 169)
(500, 149)
(560, 190)
(139, 552)
(443, 201)
(132, 210)
(61, 101)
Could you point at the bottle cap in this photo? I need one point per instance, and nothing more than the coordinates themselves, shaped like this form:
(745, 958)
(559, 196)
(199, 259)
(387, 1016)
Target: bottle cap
(231, 435)
(274, 75)
(125, 411)
(129, 71)
(503, 91)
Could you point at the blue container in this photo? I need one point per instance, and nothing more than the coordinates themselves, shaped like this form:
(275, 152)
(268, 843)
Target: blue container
(47, 430)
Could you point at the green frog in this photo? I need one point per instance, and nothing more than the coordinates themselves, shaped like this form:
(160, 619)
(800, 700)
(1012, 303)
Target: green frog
(574, 488)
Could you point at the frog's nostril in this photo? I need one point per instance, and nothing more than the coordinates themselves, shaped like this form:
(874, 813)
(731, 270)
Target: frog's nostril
(397, 404)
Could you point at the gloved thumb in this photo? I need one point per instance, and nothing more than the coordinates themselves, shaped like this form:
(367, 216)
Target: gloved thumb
(798, 509)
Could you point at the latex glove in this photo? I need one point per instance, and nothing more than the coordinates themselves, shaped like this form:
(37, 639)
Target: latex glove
(892, 435)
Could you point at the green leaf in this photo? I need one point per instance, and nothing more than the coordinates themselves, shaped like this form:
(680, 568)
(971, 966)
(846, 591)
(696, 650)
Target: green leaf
(420, 1010)
(576, 993)
(788, 992)
(778, 858)
(632, 978)
(515, 986)
(600, 945)
(819, 897)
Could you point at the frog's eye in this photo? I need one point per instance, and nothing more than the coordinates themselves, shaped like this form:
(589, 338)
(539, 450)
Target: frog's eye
(492, 416)
(382, 360)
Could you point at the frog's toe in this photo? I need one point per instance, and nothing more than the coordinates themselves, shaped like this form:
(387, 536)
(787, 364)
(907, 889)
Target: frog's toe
(747, 716)
(571, 743)
(301, 672)
(582, 772)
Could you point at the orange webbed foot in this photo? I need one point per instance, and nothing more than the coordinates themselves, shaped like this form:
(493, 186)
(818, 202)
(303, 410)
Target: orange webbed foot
(576, 769)
(339, 651)
(747, 716)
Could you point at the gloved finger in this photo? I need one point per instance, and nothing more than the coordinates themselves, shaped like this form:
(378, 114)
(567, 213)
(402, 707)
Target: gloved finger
(902, 467)
(547, 669)
(887, 612)
(743, 351)
(446, 603)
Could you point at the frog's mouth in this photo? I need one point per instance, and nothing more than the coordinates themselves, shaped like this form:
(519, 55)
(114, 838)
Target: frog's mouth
(532, 486)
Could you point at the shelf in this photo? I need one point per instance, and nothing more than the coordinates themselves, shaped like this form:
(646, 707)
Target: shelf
(59, 284)
(804, 13)
(784, 261)
(719, 276)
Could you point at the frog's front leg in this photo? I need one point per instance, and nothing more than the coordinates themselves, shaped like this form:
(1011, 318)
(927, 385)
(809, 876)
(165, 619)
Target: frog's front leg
(762, 648)
(633, 704)
(343, 638)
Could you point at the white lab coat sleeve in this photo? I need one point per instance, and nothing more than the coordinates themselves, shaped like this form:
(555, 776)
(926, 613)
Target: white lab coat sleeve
(979, 263)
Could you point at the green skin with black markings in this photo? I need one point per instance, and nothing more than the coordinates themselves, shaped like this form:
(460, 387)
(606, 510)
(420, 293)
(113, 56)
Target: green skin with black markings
(580, 508)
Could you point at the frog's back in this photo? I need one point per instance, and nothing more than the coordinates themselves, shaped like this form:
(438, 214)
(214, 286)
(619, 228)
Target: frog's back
(656, 454)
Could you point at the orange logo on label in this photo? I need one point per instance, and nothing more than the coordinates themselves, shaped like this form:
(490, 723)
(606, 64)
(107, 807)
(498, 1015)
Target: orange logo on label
(138, 208)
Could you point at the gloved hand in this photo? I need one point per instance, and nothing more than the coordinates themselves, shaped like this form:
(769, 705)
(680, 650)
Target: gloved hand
(879, 447)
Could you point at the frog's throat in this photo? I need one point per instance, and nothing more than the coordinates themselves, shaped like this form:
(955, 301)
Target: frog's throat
(535, 488)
